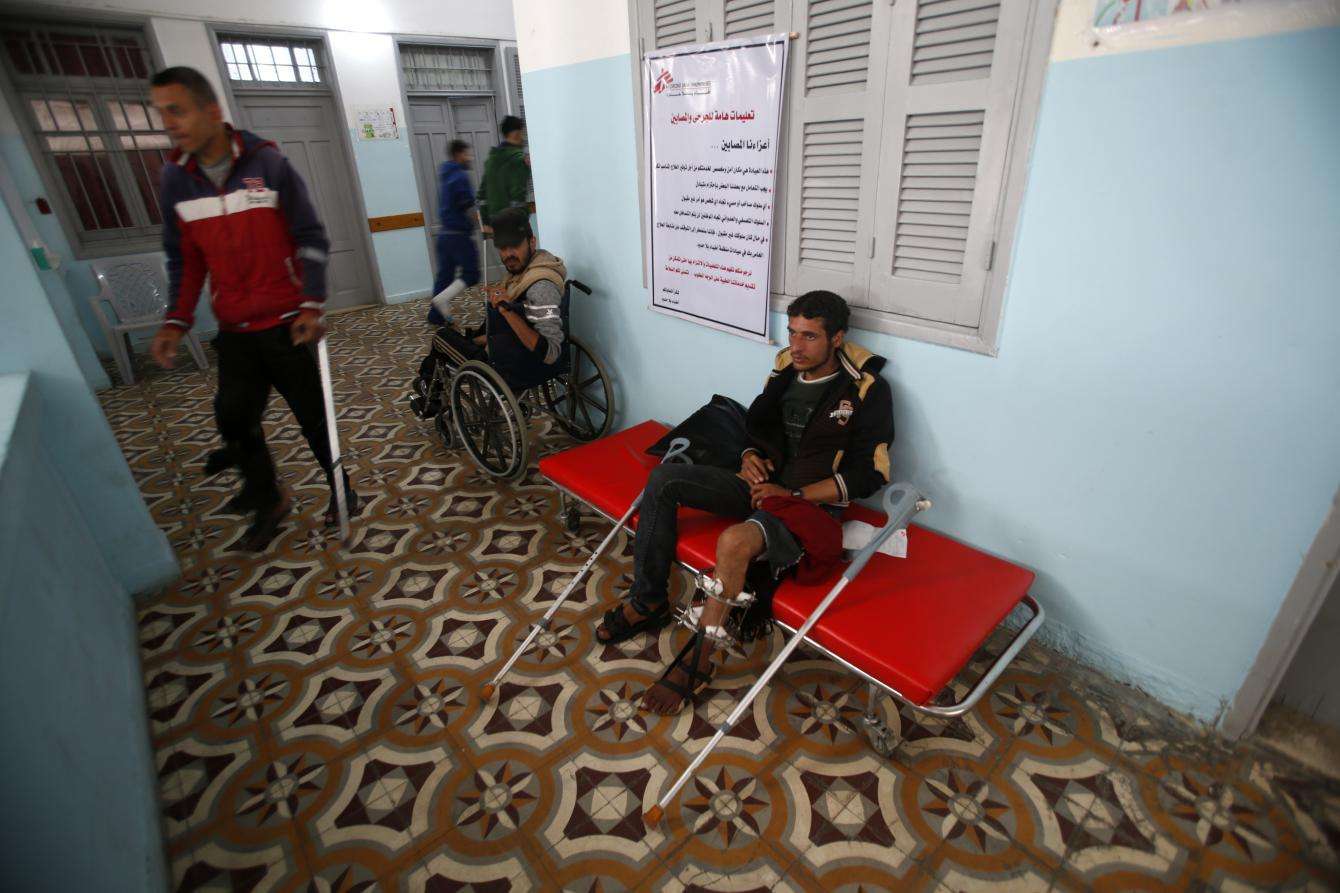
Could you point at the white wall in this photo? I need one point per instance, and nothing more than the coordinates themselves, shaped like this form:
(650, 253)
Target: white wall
(188, 43)
(460, 18)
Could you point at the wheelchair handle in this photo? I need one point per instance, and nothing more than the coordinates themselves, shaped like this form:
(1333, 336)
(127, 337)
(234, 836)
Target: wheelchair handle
(584, 289)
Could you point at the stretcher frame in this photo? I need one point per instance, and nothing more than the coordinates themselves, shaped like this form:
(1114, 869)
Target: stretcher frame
(901, 503)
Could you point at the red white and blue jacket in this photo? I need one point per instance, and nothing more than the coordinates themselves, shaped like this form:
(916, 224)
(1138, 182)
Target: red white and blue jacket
(259, 239)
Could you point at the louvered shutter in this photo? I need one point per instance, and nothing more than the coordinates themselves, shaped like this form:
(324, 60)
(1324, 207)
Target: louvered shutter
(748, 18)
(953, 71)
(672, 23)
(836, 110)
(518, 99)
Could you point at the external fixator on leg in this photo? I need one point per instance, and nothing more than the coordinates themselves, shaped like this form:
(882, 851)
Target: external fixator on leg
(724, 634)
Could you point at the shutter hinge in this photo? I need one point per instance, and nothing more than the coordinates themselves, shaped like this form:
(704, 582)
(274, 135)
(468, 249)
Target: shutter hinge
(872, 246)
(991, 255)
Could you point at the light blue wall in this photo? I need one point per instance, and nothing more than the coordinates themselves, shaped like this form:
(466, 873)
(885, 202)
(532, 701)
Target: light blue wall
(76, 771)
(76, 437)
(1160, 436)
(386, 172)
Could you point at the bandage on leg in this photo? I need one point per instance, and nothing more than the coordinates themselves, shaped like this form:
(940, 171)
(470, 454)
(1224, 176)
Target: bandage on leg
(710, 590)
(442, 300)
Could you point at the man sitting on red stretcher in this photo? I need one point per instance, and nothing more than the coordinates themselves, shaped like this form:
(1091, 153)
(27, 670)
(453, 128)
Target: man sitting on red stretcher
(820, 435)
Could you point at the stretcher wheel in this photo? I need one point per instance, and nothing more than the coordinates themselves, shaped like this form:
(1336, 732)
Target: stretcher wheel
(582, 399)
(883, 741)
(488, 420)
(572, 519)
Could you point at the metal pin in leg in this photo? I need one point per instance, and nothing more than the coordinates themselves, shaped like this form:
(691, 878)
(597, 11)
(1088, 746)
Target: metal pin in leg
(336, 460)
(901, 502)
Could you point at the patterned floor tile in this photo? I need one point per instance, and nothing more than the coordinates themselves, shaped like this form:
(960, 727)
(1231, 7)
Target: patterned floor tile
(319, 724)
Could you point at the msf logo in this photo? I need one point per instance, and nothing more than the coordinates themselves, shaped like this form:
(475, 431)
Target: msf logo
(663, 80)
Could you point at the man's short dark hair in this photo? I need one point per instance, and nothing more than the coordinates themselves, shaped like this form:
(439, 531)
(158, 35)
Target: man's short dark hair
(456, 147)
(822, 305)
(195, 83)
(511, 123)
(511, 227)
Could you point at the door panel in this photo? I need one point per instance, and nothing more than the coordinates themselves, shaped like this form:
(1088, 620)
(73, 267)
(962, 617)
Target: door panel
(304, 128)
(434, 122)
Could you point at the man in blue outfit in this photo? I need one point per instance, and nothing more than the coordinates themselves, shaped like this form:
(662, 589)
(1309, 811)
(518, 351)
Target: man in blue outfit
(456, 240)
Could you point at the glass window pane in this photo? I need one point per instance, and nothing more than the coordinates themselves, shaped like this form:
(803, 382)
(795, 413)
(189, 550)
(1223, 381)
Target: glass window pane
(117, 112)
(238, 73)
(286, 73)
(267, 73)
(42, 113)
(67, 144)
(229, 52)
(261, 53)
(155, 119)
(86, 116)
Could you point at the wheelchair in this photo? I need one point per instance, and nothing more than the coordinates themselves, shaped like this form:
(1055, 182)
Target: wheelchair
(474, 406)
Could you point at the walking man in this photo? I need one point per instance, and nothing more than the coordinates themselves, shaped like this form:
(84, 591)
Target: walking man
(235, 210)
(455, 241)
(506, 180)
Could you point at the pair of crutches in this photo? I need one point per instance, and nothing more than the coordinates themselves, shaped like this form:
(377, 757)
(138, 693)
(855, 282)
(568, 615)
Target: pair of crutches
(675, 453)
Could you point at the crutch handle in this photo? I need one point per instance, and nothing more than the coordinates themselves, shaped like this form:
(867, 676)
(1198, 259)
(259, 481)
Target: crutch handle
(901, 502)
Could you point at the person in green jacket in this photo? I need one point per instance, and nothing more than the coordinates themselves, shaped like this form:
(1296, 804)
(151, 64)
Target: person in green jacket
(506, 179)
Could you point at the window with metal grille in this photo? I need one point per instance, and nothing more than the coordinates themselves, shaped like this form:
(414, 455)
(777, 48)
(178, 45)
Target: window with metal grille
(272, 62)
(440, 69)
(82, 97)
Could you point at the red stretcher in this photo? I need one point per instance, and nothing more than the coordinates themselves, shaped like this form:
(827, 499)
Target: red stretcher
(905, 625)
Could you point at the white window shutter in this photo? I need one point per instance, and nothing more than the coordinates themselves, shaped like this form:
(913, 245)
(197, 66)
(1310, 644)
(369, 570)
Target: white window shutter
(951, 84)
(836, 110)
(672, 23)
(749, 18)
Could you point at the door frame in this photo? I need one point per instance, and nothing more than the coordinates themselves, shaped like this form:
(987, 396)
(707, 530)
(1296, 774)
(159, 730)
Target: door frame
(214, 29)
(1302, 603)
(478, 43)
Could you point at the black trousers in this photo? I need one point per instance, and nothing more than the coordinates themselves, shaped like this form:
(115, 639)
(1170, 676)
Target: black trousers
(250, 364)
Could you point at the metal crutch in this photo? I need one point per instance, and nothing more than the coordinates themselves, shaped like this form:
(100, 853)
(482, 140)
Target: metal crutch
(901, 502)
(675, 451)
(336, 460)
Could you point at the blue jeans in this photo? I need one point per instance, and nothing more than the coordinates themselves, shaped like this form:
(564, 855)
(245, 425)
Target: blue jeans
(456, 250)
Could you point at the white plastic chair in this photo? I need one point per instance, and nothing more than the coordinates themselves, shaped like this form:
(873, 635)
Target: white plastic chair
(135, 288)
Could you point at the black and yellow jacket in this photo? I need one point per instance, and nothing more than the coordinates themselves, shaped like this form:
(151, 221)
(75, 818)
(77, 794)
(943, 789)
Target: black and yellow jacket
(848, 436)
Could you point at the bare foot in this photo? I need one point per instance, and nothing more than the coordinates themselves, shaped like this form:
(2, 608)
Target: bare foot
(666, 701)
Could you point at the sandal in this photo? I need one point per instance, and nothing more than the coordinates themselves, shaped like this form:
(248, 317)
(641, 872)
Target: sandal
(621, 630)
(698, 679)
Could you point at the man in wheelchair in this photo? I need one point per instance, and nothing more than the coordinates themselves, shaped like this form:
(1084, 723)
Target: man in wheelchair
(523, 334)
(818, 436)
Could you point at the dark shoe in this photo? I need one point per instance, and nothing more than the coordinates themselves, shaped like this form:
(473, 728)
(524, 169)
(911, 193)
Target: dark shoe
(435, 318)
(219, 460)
(619, 629)
(352, 501)
(265, 526)
(241, 504)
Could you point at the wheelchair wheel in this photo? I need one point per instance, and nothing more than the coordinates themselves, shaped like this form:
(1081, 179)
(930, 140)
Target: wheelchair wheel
(488, 420)
(582, 399)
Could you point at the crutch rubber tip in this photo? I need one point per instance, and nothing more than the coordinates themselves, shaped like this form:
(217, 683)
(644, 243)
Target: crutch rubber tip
(652, 817)
(488, 690)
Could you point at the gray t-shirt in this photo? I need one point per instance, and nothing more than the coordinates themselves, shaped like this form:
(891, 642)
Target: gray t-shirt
(218, 171)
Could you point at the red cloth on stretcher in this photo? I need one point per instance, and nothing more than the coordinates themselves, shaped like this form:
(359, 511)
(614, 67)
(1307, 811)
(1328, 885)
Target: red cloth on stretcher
(911, 623)
(818, 533)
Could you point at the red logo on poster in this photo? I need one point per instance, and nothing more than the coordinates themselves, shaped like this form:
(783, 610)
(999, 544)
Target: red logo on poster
(663, 80)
